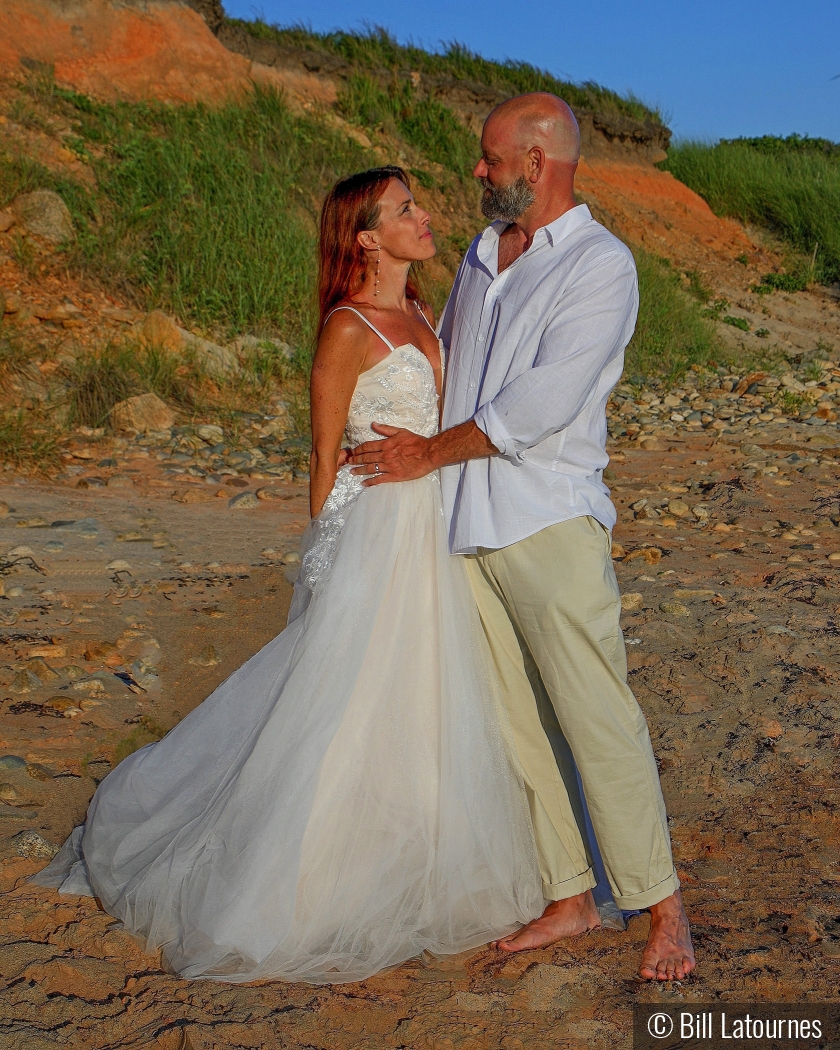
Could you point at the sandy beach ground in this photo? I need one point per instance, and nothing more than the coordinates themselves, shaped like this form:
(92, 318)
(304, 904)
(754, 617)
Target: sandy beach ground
(123, 608)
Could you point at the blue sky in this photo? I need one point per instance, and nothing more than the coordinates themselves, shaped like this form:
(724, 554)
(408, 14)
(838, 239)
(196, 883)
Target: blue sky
(717, 69)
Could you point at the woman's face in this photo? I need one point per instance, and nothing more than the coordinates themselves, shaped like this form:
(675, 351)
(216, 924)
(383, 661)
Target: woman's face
(403, 231)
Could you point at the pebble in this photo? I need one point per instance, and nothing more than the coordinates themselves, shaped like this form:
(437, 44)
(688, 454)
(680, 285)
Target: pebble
(675, 609)
(208, 657)
(25, 682)
(120, 481)
(244, 501)
(12, 762)
(8, 793)
(30, 844)
(15, 591)
(632, 602)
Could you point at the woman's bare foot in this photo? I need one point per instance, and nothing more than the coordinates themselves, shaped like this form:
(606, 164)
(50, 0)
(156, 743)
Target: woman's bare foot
(668, 954)
(566, 918)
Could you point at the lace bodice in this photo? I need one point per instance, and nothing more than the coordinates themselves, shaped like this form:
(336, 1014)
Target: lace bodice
(400, 391)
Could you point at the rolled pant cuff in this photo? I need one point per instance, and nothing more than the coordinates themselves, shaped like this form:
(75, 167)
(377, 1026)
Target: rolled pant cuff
(638, 901)
(560, 891)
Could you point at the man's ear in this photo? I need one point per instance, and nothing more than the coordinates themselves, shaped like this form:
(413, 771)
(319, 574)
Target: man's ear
(536, 163)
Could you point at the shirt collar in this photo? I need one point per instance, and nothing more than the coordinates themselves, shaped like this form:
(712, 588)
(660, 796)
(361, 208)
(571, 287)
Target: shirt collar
(554, 232)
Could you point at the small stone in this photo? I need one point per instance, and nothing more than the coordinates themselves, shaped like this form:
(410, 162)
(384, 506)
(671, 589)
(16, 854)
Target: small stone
(617, 552)
(679, 508)
(7, 221)
(92, 482)
(675, 609)
(38, 666)
(12, 762)
(773, 729)
(244, 501)
(632, 602)
(835, 556)
(8, 793)
(196, 495)
(62, 704)
(15, 591)
(5, 509)
(25, 682)
(237, 483)
(145, 412)
(700, 512)
(120, 481)
(21, 552)
(206, 658)
(118, 565)
(53, 547)
(31, 844)
(702, 593)
(751, 450)
(39, 772)
(211, 433)
(291, 558)
(99, 651)
(45, 214)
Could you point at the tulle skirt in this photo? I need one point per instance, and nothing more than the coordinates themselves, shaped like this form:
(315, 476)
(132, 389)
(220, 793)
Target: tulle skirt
(348, 798)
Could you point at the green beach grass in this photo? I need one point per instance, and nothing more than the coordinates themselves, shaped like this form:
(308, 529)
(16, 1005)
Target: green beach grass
(211, 213)
(789, 186)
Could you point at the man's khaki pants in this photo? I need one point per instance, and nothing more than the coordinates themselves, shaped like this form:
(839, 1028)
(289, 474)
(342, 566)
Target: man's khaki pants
(550, 608)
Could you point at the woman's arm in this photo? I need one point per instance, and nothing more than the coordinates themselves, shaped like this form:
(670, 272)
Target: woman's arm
(335, 372)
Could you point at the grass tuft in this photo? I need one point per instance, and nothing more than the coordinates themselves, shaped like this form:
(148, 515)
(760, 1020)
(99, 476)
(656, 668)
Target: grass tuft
(671, 335)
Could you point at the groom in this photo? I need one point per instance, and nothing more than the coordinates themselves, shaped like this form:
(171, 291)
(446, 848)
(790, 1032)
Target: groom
(542, 308)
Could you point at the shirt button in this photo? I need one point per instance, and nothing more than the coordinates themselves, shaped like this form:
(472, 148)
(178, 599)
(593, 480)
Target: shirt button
(472, 386)
(481, 339)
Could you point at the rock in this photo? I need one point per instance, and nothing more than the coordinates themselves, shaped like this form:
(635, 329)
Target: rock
(244, 501)
(8, 793)
(12, 762)
(206, 658)
(773, 729)
(7, 221)
(291, 558)
(25, 682)
(99, 650)
(120, 481)
(118, 565)
(617, 552)
(159, 330)
(269, 493)
(44, 214)
(632, 602)
(38, 772)
(700, 512)
(752, 450)
(211, 433)
(675, 609)
(14, 591)
(92, 482)
(144, 412)
(4, 509)
(237, 483)
(38, 666)
(14, 303)
(196, 495)
(67, 705)
(679, 508)
(30, 844)
(115, 313)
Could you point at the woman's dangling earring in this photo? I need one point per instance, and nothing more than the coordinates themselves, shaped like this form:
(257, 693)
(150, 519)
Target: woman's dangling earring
(376, 275)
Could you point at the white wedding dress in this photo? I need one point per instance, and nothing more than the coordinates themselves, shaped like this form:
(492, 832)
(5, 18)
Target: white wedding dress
(347, 799)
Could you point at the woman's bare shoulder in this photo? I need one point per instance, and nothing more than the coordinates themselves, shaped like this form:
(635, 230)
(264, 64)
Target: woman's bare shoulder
(344, 334)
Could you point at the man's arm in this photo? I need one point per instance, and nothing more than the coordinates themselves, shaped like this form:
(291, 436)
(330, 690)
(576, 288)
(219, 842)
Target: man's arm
(590, 328)
(403, 456)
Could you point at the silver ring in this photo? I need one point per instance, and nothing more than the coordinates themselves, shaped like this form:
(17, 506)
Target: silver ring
(376, 468)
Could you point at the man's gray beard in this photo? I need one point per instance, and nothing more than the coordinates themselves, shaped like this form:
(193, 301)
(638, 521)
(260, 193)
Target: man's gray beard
(506, 202)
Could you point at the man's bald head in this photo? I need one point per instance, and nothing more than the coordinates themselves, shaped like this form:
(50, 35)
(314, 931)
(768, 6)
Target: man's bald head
(537, 119)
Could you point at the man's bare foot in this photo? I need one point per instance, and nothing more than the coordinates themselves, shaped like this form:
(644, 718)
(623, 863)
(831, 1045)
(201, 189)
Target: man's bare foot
(566, 918)
(668, 954)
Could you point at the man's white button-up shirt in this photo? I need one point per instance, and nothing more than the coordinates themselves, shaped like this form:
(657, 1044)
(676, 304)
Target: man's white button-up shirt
(532, 354)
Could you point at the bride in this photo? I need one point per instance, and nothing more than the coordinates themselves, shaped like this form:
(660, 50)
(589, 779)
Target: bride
(347, 799)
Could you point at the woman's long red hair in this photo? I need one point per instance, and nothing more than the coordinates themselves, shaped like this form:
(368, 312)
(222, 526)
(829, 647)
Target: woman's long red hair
(352, 205)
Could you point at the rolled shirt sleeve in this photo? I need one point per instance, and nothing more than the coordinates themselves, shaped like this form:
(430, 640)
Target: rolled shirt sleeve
(590, 326)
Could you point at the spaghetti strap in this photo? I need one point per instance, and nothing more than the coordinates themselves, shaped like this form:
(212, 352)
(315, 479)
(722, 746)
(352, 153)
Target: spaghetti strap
(372, 327)
(426, 319)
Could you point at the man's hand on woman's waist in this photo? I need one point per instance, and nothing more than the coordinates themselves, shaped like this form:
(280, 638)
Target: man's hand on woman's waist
(404, 456)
